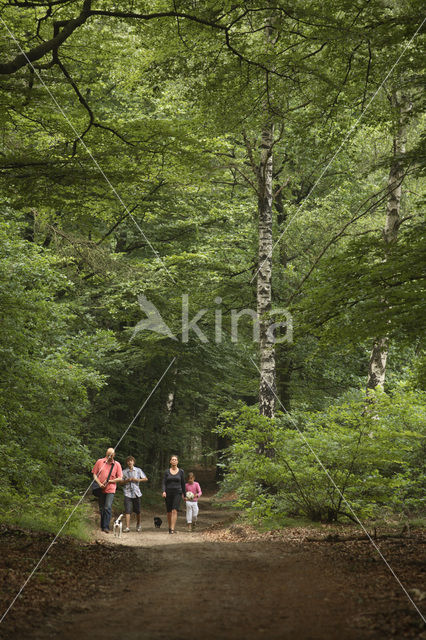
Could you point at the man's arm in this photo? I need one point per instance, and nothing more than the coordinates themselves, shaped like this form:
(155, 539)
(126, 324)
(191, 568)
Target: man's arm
(96, 479)
(95, 470)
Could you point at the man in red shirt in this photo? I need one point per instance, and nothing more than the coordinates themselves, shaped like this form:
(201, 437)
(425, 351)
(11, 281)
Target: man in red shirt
(107, 473)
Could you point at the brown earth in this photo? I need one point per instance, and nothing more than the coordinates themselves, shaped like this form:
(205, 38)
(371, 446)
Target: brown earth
(224, 581)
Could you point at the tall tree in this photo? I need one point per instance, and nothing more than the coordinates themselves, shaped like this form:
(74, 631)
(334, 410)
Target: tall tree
(267, 382)
(401, 108)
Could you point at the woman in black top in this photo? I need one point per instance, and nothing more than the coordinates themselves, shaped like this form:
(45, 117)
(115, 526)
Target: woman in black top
(173, 491)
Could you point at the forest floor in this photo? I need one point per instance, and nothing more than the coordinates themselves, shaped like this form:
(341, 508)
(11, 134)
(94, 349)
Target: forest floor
(223, 581)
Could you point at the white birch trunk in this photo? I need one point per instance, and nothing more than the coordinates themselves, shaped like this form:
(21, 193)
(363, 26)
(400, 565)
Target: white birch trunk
(400, 103)
(264, 276)
(377, 364)
(267, 384)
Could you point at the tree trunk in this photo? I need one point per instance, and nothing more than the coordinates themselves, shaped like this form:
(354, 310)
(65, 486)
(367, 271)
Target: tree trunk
(377, 364)
(402, 107)
(264, 276)
(160, 452)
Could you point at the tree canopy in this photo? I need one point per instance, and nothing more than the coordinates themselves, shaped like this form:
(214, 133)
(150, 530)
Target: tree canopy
(133, 163)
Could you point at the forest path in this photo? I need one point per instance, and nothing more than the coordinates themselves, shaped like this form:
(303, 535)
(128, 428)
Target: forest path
(183, 586)
(151, 537)
(223, 582)
(191, 585)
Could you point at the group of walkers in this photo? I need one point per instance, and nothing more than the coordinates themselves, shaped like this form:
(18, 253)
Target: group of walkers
(108, 473)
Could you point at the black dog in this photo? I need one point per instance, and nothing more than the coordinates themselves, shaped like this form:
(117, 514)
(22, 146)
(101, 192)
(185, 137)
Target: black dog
(158, 522)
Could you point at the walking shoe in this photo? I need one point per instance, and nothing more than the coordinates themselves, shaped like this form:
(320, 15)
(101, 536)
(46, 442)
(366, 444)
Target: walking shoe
(106, 530)
(126, 530)
(138, 528)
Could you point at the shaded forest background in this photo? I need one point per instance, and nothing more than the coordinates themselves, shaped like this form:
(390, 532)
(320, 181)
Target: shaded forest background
(132, 136)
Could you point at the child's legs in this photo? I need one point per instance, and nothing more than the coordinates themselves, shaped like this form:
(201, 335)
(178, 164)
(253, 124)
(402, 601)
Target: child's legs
(137, 510)
(188, 512)
(128, 510)
(195, 511)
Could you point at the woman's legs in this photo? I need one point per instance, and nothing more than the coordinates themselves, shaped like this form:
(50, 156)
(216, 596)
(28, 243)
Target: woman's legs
(172, 505)
(169, 503)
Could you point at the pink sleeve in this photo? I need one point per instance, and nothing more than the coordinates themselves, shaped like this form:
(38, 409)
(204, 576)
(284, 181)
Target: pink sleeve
(96, 467)
(198, 489)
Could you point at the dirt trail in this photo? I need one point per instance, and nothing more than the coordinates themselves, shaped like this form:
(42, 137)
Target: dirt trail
(152, 585)
(183, 586)
(152, 537)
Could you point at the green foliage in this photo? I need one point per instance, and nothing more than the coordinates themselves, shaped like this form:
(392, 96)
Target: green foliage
(353, 458)
(172, 110)
(349, 287)
(49, 370)
(53, 511)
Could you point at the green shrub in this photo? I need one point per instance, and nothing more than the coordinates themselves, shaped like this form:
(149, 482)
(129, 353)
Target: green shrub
(353, 458)
(47, 512)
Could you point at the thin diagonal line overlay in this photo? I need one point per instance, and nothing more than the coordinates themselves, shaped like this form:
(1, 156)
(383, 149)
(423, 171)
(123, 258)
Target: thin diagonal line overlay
(344, 500)
(81, 499)
(340, 148)
(95, 162)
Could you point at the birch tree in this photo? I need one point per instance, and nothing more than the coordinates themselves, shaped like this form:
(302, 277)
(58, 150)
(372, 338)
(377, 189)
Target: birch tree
(264, 275)
(402, 108)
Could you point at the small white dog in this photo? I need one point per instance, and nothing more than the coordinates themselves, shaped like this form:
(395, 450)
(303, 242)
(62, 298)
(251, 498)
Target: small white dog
(118, 526)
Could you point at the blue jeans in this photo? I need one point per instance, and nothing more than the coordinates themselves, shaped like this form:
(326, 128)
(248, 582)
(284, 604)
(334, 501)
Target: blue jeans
(105, 504)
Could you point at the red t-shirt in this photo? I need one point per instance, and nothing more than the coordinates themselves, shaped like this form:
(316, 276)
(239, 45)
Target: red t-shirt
(102, 469)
